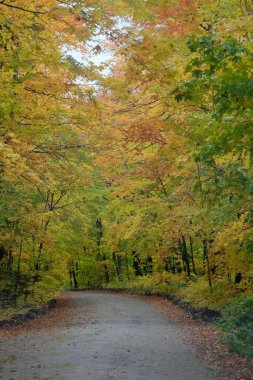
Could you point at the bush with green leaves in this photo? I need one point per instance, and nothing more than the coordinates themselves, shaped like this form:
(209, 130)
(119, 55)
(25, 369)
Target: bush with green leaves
(237, 325)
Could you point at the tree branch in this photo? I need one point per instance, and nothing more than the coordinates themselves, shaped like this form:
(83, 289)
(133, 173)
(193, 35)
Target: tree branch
(21, 8)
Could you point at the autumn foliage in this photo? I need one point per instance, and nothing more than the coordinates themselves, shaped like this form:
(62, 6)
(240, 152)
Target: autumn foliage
(140, 176)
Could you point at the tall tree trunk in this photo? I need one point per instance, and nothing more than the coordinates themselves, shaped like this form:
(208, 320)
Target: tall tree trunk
(74, 279)
(192, 255)
(114, 258)
(127, 267)
(136, 264)
(10, 263)
(173, 265)
(73, 274)
(70, 278)
(186, 257)
(117, 261)
(206, 256)
(17, 278)
(37, 264)
(107, 276)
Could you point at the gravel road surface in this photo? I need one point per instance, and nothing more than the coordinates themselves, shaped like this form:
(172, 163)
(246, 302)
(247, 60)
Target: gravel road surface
(123, 338)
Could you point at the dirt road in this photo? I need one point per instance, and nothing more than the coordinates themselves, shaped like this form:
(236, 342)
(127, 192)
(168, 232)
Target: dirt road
(123, 338)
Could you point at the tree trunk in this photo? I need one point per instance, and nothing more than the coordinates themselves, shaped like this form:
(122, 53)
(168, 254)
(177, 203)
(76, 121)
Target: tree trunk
(70, 278)
(73, 274)
(136, 264)
(17, 274)
(127, 267)
(107, 277)
(192, 255)
(206, 256)
(37, 264)
(173, 265)
(74, 279)
(10, 263)
(186, 257)
(117, 261)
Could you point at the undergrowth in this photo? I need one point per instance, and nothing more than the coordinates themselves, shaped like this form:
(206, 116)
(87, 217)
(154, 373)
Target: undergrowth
(237, 325)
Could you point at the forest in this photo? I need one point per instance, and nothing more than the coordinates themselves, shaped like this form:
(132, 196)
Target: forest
(132, 173)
